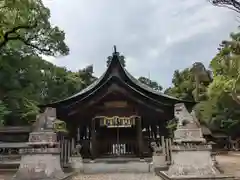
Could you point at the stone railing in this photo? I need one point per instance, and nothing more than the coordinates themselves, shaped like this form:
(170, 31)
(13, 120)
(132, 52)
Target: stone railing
(10, 152)
(192, 147)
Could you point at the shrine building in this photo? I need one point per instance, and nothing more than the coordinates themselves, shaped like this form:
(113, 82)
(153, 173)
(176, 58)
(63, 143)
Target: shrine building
(117, 115)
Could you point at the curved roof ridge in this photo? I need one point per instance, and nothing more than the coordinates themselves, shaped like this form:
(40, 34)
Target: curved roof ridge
(122, 73)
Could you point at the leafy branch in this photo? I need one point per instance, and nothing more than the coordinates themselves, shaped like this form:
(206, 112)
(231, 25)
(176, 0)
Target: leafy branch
(28, 22)
(230, 4)
(12, 34)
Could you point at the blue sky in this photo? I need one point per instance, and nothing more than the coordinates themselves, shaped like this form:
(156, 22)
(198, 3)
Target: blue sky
(156, 36)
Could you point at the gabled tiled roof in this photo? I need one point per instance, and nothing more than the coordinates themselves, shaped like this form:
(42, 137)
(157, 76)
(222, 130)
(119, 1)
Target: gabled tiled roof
(125, 76)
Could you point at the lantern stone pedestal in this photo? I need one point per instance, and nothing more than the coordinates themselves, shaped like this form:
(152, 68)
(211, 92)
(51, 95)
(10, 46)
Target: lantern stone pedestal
(159, 161)
(158, 158)
(192, 156)
(76, 160)
(76, 163)
(41, 161)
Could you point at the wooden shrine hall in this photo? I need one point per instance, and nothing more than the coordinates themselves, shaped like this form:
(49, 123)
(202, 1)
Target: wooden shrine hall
(116, 115)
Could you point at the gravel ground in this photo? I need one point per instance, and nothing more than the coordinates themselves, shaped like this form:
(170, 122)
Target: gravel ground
(118, 176)
(110, 176)
(229, 164)
(5, 176)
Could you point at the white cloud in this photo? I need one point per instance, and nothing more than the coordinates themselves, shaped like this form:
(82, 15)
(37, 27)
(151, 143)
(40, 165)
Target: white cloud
(154, 36)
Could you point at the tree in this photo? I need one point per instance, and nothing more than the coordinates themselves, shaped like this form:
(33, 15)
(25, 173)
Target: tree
(230, 4)
(221, 110)
(201, 75)
(235, 6)
(87, 75)
(28, 80)
(183, 85)
(26, 22)
(26, 33)
(191, 83)
(152, 84)
(226, 65)
(3, 112)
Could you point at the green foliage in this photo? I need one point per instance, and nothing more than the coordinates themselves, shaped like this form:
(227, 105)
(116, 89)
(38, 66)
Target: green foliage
(152, 84)
(236, 89)
(26, 79)
(3, 112)
(183, 85)
(219, 98)
(226, 68)
(26, 22)
(87, 75)
(186, 86)
(218, 105)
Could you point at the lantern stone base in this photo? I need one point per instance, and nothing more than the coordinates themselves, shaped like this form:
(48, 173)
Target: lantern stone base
(76, 163)
(159, 162)
(193, 165)
(39, 167)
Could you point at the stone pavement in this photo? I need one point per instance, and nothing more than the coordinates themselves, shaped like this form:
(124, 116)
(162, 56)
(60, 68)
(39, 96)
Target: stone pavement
(118, 176)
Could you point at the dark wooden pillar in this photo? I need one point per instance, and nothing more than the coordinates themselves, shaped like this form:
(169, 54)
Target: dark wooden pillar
(139, 136)
(93, 140)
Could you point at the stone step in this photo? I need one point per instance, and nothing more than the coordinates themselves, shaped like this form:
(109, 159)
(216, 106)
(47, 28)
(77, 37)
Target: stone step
(130, 167)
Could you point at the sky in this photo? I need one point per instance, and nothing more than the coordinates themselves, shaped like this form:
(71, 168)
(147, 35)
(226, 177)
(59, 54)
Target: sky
(155, 36)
